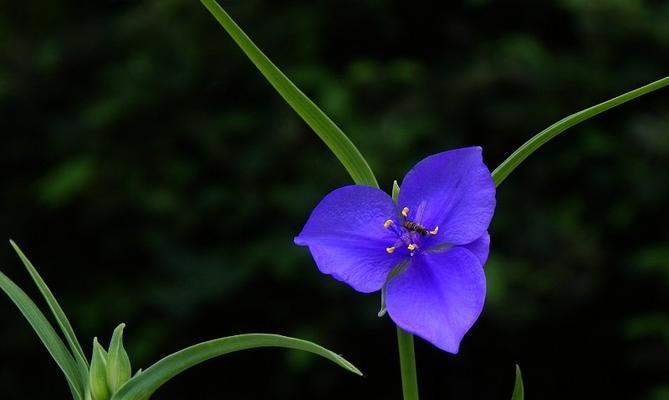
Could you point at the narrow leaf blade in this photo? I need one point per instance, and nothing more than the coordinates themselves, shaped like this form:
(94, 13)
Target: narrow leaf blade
(46, 333)
(327, 130)
(517, 157)
(142, 386)
(518, 389)
(56, 310)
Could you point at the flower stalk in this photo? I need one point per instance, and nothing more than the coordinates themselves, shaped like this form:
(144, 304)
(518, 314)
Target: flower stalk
(407, 364)
(405, 346)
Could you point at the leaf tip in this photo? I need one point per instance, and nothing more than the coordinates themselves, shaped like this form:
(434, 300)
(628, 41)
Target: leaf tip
(349, 366)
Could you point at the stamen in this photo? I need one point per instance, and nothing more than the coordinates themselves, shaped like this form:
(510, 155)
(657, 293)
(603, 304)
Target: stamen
(405, 212)
(390, 250)
(412, 247)
(434, 231)
(388, 223)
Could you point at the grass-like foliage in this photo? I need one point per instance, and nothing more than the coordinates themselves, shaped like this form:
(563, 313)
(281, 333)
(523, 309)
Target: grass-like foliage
(109, 374)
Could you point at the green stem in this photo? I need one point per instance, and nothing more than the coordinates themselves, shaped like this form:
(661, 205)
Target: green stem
(407, 364)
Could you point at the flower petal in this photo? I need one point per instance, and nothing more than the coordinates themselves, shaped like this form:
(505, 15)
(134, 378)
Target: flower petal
(346, 237)
(439, 296)
(480, 247)
(453, 190)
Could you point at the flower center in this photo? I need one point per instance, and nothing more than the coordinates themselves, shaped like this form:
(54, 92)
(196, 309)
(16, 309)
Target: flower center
(409, 233)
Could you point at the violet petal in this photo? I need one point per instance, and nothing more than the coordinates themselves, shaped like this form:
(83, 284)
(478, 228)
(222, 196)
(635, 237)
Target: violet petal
(346, 237)
(439, 296)
(457, 191)
(480, 247)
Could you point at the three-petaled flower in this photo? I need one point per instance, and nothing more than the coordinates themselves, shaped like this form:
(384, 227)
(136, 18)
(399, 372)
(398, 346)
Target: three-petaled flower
(427, 251)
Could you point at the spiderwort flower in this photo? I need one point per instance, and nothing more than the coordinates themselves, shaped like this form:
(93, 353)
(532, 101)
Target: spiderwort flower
(427, 251)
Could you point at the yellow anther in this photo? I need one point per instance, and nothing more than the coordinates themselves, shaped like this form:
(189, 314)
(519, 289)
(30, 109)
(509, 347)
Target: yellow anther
(405, 212)
(390, 250)
(388, 223)
(434, 231)
(412, 247)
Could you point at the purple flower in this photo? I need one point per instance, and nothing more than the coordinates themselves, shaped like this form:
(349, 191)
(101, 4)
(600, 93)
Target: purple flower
(427, 251)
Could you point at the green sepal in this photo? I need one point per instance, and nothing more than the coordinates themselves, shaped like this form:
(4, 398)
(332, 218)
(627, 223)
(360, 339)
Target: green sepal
(397, 269)
(97, 377)
(396, 191)
(118, 362)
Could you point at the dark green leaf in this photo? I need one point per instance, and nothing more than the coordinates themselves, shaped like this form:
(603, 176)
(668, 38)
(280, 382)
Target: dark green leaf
(142, 386)
(47, 335)
(327, 130)
(56, 310)
(541, 138)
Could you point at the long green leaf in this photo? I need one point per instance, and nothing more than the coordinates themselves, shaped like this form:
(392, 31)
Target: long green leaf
(57, 311)
(327, 130)
(541, 138)
(46, 333)
(142, 386)
(518, 389)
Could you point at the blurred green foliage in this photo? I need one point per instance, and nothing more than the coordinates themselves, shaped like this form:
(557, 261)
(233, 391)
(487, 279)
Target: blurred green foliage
(155, 178)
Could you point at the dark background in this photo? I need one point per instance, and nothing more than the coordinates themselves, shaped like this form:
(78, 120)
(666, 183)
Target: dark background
(155, 178)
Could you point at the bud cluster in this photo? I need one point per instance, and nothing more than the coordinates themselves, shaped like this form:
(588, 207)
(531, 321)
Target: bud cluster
(110, 369)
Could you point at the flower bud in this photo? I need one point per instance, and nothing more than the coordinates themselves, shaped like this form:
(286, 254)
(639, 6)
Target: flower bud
(118, 363)
(97, 377)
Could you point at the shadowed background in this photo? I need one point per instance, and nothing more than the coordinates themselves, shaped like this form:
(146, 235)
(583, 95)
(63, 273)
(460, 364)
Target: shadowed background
(155, 178)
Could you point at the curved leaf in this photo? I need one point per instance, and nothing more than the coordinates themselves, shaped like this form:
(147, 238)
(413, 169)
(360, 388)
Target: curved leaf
(142, 386)
(327, 130)
(57, 312)
(517, 157)
(46, 333)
